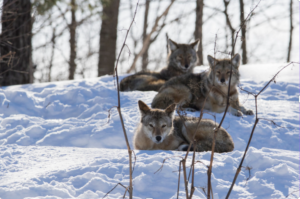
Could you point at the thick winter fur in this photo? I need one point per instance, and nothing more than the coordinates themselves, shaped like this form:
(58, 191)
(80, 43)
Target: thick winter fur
(159, 129)
(190, 90)
(181, 60)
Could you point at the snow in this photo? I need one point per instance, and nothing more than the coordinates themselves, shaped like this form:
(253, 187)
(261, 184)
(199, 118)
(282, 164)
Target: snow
(65, 140)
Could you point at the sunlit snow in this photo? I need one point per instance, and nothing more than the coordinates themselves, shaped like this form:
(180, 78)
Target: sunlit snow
(64, 140)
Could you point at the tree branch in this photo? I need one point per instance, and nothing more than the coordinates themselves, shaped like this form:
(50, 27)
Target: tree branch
(148, 38)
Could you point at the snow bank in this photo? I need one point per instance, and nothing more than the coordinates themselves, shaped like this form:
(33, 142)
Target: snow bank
(64, 140)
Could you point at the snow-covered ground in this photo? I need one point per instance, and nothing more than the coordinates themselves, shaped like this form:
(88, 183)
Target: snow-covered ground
(64, 140)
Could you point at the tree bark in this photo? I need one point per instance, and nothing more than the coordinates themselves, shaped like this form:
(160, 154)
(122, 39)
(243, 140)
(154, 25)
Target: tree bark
(16, 37)
(198, 29)
(108, 37)
(145, 55)
(73, 46)
(228, 22)
(243, 24)
(53, 41)
(291, 31)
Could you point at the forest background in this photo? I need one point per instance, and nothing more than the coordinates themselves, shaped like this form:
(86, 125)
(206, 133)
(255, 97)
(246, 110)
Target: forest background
(44, 41)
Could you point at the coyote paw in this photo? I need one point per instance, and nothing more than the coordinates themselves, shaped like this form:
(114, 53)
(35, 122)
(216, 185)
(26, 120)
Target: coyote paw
(249, 112)
(238, 114)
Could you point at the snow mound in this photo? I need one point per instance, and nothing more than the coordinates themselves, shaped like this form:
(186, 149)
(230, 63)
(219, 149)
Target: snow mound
(65, 140)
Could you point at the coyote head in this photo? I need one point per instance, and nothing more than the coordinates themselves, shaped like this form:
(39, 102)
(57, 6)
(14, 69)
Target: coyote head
(183, 56)
(156, 123)
(220, 70)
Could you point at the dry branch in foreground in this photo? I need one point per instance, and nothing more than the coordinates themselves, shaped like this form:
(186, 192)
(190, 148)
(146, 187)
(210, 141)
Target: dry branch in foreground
(130, 188)
(253, 128)
(227, 105)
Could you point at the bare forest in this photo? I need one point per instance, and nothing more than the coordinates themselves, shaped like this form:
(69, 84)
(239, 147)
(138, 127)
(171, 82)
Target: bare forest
(56, 40)
(44, 41)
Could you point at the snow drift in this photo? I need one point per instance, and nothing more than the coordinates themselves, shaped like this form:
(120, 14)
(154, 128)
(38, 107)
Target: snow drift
(64, 140)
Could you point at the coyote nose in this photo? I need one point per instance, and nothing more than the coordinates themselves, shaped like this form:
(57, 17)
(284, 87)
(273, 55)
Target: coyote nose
(158, 138)
(186, 66)
(222, 80)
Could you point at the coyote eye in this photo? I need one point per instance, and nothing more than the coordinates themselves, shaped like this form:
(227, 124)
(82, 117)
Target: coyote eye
(163, 126)
(228, 73)
(151, 125)
(178, 58)
(218, 72)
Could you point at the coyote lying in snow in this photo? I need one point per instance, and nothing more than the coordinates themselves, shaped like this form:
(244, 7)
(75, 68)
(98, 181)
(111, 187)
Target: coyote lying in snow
(182, 59)
(158, 129)
(190, 90)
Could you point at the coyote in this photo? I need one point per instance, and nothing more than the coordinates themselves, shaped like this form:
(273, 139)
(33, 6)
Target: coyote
(191, 90)
(159, 129)
(182, 59)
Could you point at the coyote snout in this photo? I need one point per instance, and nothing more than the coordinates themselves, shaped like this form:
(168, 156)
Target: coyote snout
(157, 134)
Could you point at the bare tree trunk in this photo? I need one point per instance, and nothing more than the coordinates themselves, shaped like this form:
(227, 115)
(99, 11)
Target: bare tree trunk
(108, 37)
(198, 29)
(228, 22)
(16, 37)
(243, 24)
(53, 41)
(145, 55)
(148, 39)
(291, 31)
(72, 27)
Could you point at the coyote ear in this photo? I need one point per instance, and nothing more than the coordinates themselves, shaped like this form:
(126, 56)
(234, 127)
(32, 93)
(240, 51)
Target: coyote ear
(143, 107)
(195, 44)
(212, 61)
(172, 45)
(236, 60)
(170, 110)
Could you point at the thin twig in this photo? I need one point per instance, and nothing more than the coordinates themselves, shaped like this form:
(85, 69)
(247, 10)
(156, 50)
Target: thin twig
(109, 115)
(134, 160)
(178, 178)
(125, 192)
(130, 189)
(6, 55)
(247, 168)
(254, 126)
(193, 172)
(148, 38)
(227, 105)
(185, 179)
(161, 167)
(292, 193)
(113, 189)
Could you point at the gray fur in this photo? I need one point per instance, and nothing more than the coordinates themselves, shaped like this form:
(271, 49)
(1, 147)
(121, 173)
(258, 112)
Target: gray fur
(191, 90)
(223, 142)
(179, 131)
(181, 60)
